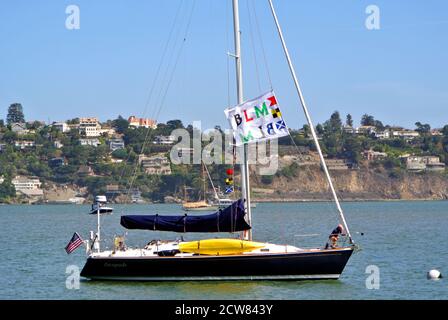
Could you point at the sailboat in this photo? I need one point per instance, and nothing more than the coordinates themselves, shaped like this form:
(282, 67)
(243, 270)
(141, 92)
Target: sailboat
(223, 258)
(222, 201)
(201, 205)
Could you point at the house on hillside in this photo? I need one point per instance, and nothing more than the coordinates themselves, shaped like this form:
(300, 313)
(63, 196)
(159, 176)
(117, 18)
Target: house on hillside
(373, 155)
(166, 140)
(57, 162)
(89, 127)
(89, 142)
(19, 128)
(157, 165)
(424, 163)
(28, 186)
(24, 144)
(405, 134)
(142, 122)
(116, 144)
(61, 126)
(85, 171)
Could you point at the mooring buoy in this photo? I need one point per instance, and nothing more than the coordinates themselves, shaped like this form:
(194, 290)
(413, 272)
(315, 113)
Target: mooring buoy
(434, 274)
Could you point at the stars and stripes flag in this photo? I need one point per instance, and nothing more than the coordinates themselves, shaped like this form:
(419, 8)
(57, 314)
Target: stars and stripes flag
(74, 243)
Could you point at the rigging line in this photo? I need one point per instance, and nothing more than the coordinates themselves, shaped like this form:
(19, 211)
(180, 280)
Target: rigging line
(252, 41)
(307, 115)
(170, 60)
(261, 44)
(163, 57)
(227, 55)
(159, 67)
(176, 61)
(166, 91)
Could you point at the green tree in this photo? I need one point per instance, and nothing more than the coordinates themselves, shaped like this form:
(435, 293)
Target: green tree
(120, 154)
(175, 124)
(351, 149)
(367, 120)
(7, 190)
(15, 114)
(423, 129)
(349, 120)
(120, 124)
(306, 130)
(319, 129)
(445, 130)
(335, 122)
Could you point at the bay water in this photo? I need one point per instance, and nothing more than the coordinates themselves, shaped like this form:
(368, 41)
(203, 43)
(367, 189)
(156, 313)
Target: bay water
(400, 241)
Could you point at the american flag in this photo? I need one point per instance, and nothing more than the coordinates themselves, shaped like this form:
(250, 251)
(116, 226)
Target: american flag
(74, 243)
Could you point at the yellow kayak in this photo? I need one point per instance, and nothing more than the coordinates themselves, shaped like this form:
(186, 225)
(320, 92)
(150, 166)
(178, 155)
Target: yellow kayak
(219, 246)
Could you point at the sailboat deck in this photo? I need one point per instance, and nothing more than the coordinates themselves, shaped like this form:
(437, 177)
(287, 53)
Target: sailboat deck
(153, 250)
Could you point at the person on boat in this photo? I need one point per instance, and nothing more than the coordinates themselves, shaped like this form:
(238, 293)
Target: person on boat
(334, 237)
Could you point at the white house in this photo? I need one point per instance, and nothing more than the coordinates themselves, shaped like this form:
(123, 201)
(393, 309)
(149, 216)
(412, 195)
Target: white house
(165, 140)
(115, 144)
(382, 134)
(158, 164)
(61, 126)
(89, 142)
(29, 186)
(89, 127)
(23, 144)
(405, 134)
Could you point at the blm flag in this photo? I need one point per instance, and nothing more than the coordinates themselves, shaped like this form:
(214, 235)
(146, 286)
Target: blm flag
(257, 119)
(74, 243)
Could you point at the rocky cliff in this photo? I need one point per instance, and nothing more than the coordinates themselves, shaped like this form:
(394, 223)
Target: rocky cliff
(309, 183)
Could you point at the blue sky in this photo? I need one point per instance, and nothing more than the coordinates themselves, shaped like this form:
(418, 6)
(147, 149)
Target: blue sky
(399, 73)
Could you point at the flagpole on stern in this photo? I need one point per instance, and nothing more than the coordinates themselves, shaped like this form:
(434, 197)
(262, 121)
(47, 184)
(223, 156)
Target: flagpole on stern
(310, 123)
(98, 226)
(245, 183)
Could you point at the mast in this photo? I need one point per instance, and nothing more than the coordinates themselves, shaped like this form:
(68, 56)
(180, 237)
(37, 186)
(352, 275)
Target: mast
(245, 185)
(310, 123)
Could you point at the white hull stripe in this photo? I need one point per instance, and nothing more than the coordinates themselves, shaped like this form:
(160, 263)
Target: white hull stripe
(224, 278)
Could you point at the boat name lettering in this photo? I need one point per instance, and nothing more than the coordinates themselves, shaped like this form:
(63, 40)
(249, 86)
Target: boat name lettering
(115, 265)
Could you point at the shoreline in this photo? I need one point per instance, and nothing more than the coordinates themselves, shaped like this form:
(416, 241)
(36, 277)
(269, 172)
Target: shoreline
(288, 200)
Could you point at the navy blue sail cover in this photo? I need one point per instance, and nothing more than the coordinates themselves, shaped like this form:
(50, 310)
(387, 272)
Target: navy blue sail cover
(230, 219)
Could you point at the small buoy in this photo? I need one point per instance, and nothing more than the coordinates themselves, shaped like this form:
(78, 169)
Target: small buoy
(434, 274)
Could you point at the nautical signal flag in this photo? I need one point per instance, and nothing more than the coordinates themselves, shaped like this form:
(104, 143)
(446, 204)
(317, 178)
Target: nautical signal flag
(74, 243)
(229, 189)
(257, 119)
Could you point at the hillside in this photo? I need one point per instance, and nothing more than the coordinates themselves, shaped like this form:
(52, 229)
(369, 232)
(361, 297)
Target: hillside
(363, 184)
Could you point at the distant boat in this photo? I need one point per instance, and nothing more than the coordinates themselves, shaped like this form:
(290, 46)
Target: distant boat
(201, 205)
(99, 206)
(198, 206)
(220, 201)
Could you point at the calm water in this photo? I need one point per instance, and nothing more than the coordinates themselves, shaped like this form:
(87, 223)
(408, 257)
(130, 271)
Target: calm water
(404, 239)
